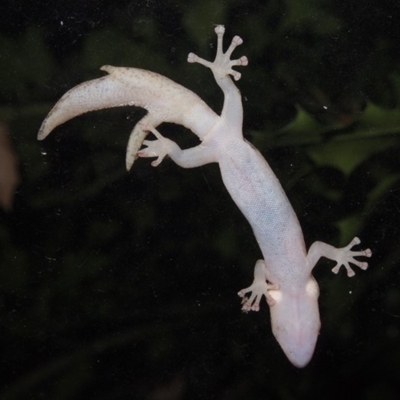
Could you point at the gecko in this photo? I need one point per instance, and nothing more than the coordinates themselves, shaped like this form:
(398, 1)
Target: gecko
(284, 275)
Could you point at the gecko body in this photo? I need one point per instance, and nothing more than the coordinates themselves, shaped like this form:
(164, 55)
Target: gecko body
(284, 275)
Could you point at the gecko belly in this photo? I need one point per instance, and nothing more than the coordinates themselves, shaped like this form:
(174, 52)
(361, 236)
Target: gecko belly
(260, 197)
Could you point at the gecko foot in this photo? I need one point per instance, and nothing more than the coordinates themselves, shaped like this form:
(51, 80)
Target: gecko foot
(222, 65)
(154, 148)
(258, 289)
(345, 256)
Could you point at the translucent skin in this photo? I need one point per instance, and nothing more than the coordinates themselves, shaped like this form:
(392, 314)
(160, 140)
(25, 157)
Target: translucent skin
(284, 275)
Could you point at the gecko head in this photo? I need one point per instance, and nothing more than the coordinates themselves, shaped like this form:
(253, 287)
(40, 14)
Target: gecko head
(295, 322)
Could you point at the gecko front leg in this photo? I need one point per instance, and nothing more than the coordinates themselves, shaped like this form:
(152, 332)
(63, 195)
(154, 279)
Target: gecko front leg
(343, 256)
(258, 289)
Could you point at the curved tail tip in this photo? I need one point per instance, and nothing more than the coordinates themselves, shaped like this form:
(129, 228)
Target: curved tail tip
(129, 163)
(42, 133)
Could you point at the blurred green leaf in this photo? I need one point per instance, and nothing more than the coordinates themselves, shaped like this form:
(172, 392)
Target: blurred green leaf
(349, 228)
(379, 121)
(347, 155)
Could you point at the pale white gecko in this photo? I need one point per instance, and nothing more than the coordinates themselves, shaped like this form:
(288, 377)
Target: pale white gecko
(284, 275)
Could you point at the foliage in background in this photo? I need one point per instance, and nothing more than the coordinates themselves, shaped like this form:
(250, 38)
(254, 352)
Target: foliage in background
(117, 285)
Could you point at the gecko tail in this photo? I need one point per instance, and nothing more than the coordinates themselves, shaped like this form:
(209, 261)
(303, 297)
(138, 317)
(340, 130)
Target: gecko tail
(96, 94)
(164, 99)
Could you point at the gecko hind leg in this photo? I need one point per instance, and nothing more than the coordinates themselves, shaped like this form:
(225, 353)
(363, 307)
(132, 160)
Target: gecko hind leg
(222, 65)
(154, 148)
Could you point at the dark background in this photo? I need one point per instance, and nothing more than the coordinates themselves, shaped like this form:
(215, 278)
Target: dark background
(117, 285)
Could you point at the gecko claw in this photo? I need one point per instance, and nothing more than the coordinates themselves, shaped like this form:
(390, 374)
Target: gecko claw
(219, 29)
(243, 61)
(236, 75)
(192, 58)
(237, 40)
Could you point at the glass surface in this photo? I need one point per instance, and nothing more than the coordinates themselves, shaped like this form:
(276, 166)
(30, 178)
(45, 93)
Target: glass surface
(117, 285)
